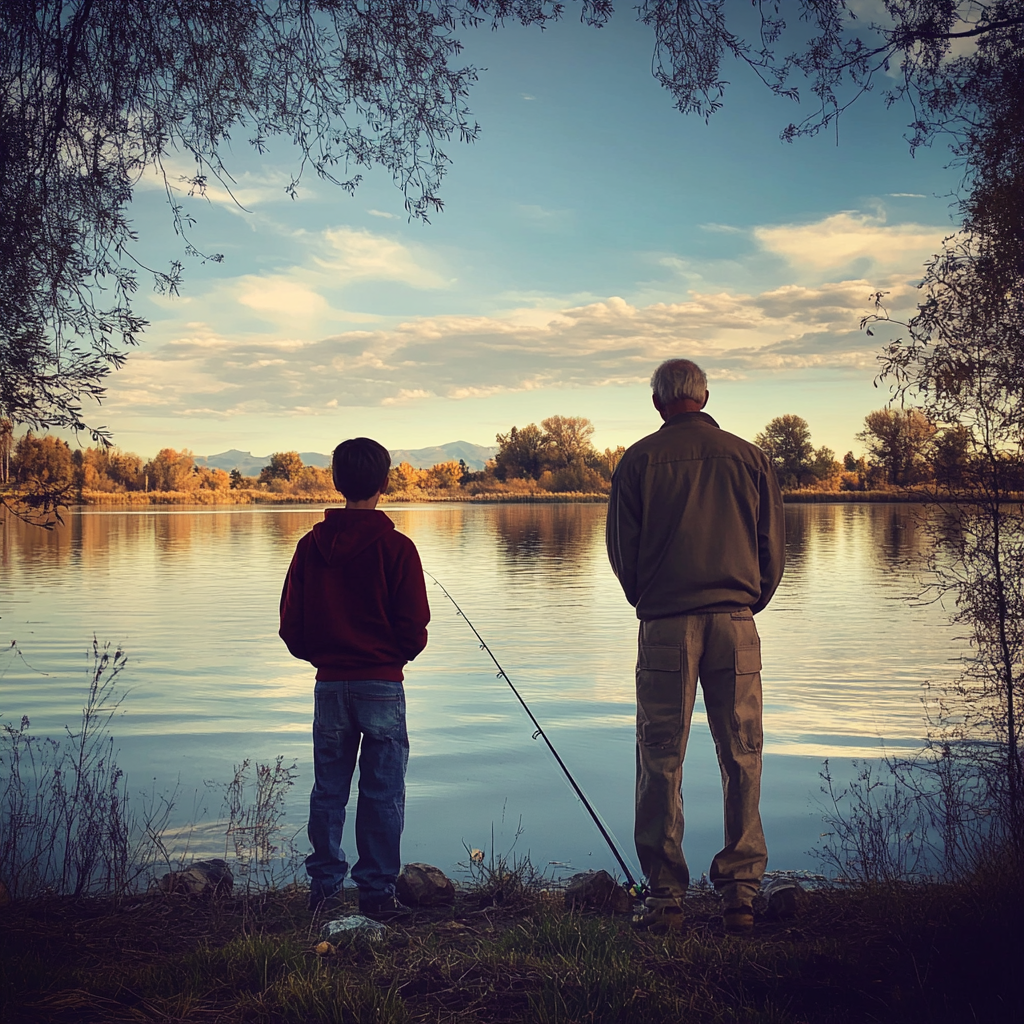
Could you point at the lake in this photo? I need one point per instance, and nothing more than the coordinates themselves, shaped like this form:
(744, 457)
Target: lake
(192, 597)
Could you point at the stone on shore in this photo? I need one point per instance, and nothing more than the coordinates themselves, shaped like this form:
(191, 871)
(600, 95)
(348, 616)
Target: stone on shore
(597, 890)
(351, 928)
(786, 899)
(423, 885)
(203, 878)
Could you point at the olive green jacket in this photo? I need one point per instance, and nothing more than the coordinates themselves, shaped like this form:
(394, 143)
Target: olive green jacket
(695, 521)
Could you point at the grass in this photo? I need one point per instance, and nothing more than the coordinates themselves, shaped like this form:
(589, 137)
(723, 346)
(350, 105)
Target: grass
(902, 955)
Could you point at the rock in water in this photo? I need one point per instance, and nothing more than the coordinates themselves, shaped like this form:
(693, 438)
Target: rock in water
(203, 878)
(423, 885)
(786, 899)
(599, 891)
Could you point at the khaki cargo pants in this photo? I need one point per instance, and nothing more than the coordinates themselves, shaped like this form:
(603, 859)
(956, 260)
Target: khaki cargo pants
(723, 650)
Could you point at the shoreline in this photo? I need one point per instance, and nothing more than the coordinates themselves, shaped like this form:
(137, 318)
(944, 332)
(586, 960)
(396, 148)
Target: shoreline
(230, 499)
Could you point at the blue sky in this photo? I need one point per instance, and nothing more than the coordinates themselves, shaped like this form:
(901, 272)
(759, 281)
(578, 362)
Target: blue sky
(590, 232)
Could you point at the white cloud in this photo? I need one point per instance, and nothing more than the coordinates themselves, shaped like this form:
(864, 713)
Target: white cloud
(310, 297)
(282, 298)
(244, 190)
(607, 342)
(844, 238)
(351, 254)
(381, 213)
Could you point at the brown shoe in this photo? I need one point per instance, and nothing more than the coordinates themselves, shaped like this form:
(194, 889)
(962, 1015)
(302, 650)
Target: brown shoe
(659, 914)
(738, 920)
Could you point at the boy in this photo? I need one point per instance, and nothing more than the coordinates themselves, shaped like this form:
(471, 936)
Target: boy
(355, 605)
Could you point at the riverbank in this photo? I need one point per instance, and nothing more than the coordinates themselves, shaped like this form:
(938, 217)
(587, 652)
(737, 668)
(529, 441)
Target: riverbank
(905, 956)
(132, 499)
(229, 498)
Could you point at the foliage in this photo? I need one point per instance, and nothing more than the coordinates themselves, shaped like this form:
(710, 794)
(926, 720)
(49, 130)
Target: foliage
(786, 441)
(909, 49)
(961, 360)
(107, 469)
(43, 461)
(6, 449)
(522, 453)
(171, 470)
(444, 476)
(559, 455)
(283, 466)
(898, 440)
(567, 439)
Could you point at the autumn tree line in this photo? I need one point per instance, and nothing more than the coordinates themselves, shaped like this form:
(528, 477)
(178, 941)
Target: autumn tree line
(903, 448)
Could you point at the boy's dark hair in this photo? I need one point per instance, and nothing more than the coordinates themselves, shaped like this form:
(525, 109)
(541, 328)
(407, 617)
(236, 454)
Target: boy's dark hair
(360, 467)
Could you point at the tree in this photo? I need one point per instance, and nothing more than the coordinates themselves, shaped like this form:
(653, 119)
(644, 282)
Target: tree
(951, 455)
(522, 453)
(6, 448)
(283, 466)
(43, 462)
(405, 477)
(961, 358)
(568, 440)
(445, 475)
(898, 440)
(824, 465)
(786, 441)
(171, 471)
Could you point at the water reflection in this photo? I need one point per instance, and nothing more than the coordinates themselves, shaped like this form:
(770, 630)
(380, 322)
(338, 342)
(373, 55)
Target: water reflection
(557, 534)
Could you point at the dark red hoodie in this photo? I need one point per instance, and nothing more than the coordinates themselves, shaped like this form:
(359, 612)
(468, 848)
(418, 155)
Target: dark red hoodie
(354, 601)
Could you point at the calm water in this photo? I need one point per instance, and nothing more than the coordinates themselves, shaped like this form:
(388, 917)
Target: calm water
(192, 596)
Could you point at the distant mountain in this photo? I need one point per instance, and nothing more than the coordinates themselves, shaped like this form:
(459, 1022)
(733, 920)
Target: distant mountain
(474, 455)
(245, 462)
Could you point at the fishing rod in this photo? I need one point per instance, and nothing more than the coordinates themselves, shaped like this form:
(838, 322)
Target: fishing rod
(502, 674)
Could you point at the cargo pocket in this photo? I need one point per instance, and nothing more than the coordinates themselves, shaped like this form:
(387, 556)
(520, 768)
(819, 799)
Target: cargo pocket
(659, 695)
(748, 659)
(747, 698)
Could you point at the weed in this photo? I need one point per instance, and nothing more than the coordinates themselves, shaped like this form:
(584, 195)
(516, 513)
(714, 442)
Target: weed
(507, 880)
(264, 851)
(66, 826)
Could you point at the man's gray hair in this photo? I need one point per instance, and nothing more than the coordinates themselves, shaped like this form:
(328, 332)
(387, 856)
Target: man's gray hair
(679, 378)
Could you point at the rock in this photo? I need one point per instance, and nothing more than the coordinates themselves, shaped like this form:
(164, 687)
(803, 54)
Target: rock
(599, 891)
(423, 885)
(786, 899)
(353, 928)
(203, 878)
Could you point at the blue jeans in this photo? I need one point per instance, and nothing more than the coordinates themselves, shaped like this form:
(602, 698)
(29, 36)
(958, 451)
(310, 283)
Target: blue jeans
(364, 717)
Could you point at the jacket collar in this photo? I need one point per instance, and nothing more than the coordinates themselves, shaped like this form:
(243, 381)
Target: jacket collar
(688, 419)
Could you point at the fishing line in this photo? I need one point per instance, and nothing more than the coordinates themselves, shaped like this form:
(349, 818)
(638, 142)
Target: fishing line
(502, 674)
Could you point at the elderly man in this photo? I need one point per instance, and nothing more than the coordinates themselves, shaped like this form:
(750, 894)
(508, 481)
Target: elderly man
(696, 538)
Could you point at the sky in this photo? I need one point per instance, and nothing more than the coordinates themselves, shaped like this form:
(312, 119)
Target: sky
(589, 233)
